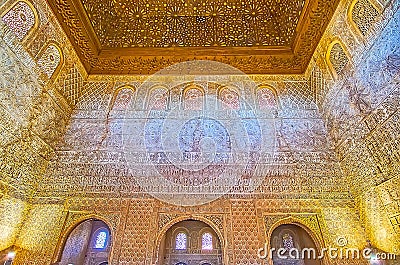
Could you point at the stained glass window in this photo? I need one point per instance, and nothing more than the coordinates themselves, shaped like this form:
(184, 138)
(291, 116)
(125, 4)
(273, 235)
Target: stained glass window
(338, 58)
(180, 241)
(287, 241)
(158, 99)
(123, 99)
(20, 19)
(193, 99)
(230, 99)
(50, 60)
(266, 98)
(101, 239)
(207, 241)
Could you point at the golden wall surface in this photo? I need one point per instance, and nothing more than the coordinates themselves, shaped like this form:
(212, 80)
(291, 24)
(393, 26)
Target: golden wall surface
(361, 108)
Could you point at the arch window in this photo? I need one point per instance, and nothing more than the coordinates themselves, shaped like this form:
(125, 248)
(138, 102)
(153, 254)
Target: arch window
(363, 15)
(158, 99)
(292, 237)
(230, 98)
(20, 19)
(337, 58)
(101, 239)
(50, 60)
(266, 98)
(207, 241)
(193, 99)
(123, 99)
(86, 241)
(287, 241)
(181, 241)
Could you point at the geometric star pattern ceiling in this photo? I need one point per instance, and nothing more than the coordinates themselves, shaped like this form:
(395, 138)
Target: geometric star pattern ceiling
(166, 23)
(142, 37)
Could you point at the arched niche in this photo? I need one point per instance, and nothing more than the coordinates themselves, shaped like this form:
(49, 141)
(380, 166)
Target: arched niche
(362, 15)
(50, 59)
(89, 243)
(293, 238)
(193, 98)
(122, 98)
(337, 57)
(158, 98)
(193, 253)
(229, 97)
(22, 18)
(267, 98)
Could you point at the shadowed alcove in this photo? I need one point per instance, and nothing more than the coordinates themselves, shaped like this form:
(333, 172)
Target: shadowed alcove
(293, 239)
(89, 243)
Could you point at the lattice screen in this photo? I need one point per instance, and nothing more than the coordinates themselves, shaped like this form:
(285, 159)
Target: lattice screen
(20, 19)
(338, 58)
(364, 15)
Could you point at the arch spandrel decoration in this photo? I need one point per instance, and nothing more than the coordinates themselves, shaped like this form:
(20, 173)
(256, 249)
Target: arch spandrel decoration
(362, 15)
(217, 220)
(337, 58)
(164, 219)
(21, 18)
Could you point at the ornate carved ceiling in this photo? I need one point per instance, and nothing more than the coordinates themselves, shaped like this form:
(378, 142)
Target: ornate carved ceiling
(142, 37)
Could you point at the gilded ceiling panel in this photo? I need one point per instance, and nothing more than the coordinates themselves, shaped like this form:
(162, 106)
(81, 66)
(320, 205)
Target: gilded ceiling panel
(204, 23)
(142, 37)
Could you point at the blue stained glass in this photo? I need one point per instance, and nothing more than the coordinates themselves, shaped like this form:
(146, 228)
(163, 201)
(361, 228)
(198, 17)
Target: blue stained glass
(101, 240)
(180, 241)
(206, 241)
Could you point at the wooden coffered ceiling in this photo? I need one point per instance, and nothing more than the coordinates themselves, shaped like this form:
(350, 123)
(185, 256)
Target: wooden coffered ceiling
(142, 37)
